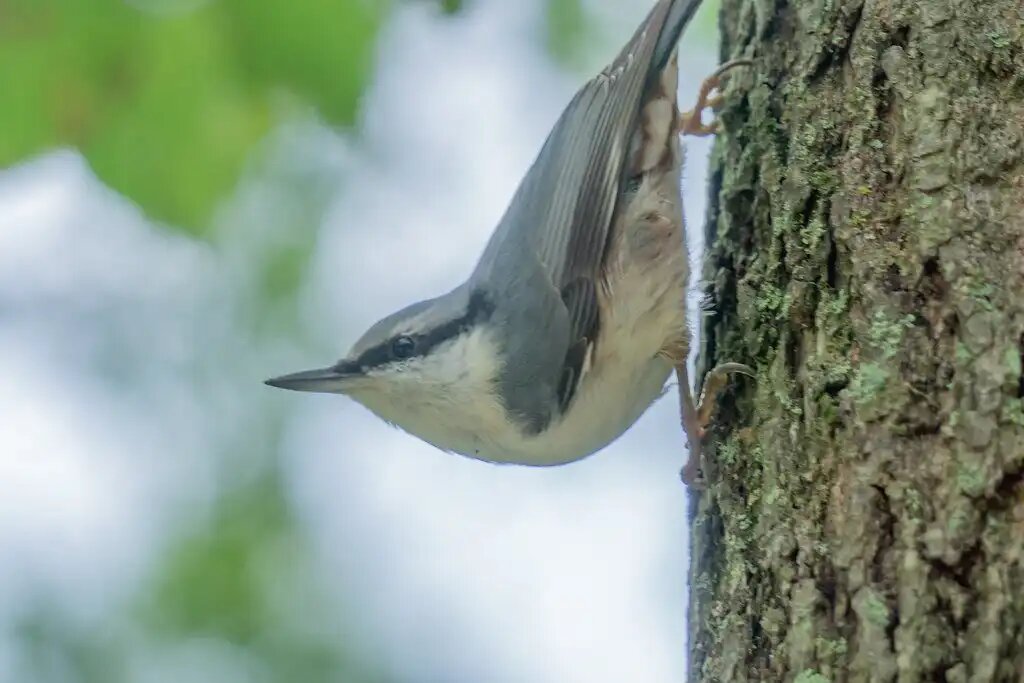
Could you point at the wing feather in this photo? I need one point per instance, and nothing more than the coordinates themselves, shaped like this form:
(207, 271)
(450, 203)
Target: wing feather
(563, 212)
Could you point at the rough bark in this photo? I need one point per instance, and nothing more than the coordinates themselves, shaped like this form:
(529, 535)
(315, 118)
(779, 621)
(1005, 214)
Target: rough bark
(864, 519)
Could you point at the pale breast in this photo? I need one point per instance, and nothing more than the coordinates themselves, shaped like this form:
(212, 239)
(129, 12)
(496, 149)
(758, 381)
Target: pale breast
(643, 311)
(606, 406)
(642, 302)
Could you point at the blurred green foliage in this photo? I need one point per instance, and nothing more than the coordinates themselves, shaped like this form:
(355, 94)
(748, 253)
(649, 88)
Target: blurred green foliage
(451, 6)
(165, 98)
(566, 30)
(247, 580)
(242, 588)
(212, 582)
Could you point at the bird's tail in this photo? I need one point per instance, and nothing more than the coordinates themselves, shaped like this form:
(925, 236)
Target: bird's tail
(677, 17)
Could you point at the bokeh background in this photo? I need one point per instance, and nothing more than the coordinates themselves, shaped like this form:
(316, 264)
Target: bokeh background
(198, 194)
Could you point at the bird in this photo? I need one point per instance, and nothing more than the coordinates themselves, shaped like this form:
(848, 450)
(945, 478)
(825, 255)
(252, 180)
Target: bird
(574, 316)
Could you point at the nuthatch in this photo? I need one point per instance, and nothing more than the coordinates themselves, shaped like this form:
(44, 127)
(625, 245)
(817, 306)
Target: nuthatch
(575, 315)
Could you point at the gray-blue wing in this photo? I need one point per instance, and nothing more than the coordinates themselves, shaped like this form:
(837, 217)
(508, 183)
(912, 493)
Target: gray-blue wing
(563, 212)
(565, 205)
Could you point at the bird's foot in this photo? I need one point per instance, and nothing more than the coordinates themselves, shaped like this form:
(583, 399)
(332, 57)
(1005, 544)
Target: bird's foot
(691, 122)
(696, 416)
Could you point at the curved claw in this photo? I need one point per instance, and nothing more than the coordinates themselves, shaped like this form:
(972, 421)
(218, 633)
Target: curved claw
(690, 122)
(696, 417)
(714, 382)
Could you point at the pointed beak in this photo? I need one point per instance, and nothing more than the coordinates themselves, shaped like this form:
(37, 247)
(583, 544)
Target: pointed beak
(332, 380)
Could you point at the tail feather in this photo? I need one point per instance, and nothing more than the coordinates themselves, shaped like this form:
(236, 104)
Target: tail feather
(654, 144)
(680, 12)
(655, 141)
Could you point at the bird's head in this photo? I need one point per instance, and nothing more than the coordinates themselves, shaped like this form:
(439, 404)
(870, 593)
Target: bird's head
(415, 363)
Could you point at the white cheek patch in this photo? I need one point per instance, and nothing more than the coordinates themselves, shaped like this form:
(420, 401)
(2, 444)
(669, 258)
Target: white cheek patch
(480, 355)
(446, 397)
(466, 365)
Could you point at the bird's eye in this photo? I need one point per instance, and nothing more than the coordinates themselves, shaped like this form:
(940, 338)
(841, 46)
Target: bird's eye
(403, 347)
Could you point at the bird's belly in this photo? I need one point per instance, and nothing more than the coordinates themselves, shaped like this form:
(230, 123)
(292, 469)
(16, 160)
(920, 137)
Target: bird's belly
(626, 375)
(625, 378)
(643, 319)
(643, 314)
(606, 407)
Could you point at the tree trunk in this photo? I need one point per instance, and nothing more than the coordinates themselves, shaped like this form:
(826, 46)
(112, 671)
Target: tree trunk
(864, 516)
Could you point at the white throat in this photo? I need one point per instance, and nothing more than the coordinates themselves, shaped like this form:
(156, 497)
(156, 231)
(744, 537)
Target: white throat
(445, 398)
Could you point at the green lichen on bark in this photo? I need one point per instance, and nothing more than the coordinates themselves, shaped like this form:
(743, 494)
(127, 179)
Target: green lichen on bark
(865, 514)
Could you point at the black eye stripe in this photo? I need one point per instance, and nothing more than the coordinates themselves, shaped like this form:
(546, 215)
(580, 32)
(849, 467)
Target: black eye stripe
(479, 309)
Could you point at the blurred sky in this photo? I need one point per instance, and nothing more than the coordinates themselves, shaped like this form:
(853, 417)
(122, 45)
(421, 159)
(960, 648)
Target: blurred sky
(125, 382)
